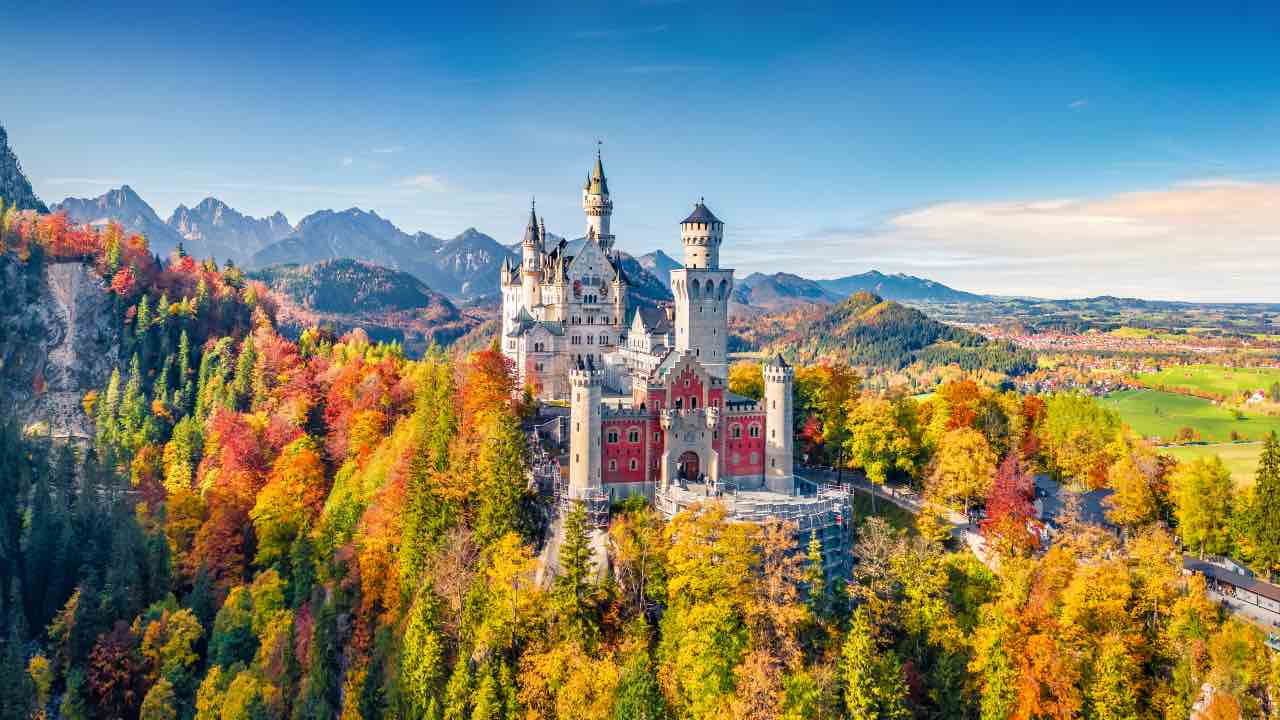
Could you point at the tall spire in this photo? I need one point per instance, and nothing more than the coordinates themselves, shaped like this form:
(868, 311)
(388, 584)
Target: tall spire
(597, 185)
(531, 230)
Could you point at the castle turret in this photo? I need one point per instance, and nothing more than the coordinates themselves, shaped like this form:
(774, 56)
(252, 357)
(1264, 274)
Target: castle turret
(701, 234)
(779, 425)
(531, 260)
(598, 206)
(701, 289)
(619, 294)
(584, 430)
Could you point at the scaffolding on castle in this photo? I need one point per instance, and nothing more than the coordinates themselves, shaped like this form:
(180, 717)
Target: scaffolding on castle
(547, 475)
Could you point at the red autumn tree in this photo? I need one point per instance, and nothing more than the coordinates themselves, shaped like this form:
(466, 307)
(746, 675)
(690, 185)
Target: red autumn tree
(1010, 508)
(116, 672)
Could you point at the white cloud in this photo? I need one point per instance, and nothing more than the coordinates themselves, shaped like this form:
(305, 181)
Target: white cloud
(430, 183)
(388, 150)
(346, 161)
(1217, 241)
(1077, 104)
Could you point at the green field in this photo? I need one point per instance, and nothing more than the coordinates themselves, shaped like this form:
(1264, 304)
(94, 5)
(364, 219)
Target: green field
(1214, 379)
(1156, 414)
(1240, 458)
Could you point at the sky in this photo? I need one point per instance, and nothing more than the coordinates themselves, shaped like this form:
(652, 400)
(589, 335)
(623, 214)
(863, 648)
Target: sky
(1052, 149)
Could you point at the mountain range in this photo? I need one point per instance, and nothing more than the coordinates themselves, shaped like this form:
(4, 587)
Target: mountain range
(464, 267)
(15, 188)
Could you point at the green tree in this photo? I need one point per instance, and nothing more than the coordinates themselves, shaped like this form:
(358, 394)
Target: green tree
(874, 685)
(1202, 502)
(574, 582)
(639, 697)
(1264, 531)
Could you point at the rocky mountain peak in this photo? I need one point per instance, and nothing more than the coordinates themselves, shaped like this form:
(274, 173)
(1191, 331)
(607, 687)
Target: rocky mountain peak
(15, 188)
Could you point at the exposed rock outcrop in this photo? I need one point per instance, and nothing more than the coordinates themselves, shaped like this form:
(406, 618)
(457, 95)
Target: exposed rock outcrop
(58, 340)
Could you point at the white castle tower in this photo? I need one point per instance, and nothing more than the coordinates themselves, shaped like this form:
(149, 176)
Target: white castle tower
(701, 291)
(584, 430)
(531, 261)
(778, 419)
(597, 205)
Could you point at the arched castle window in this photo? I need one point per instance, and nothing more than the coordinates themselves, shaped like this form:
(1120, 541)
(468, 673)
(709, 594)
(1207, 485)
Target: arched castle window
(693, 290)
(754, 431)
(693, 402)
(735, 431)
(633, 464)
(633, 435)
(613, 436)
(613, 464)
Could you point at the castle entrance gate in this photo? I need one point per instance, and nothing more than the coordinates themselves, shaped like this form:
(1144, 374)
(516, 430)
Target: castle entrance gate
(688, 465)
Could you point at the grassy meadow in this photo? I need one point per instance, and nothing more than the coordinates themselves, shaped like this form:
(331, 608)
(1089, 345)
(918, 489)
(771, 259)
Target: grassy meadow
(1157, 414)
(1215, 379)
(1240, 458)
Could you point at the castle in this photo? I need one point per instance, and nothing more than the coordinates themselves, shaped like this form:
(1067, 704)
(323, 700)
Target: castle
(650, 408)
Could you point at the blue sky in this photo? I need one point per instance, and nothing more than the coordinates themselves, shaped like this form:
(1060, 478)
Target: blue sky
(1050, 148)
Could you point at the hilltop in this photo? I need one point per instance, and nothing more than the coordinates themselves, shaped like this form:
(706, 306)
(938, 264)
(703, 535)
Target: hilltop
(899, 287)
(866, 330)
(345, 294)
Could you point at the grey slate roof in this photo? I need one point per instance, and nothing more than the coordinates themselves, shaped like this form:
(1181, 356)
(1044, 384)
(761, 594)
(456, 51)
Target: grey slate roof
(654, 320)
(700, 214)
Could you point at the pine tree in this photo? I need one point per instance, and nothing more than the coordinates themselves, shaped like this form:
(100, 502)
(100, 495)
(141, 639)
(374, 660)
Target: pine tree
(243, 381)
(874, 684)
(574, 582)
(639, 697)
(1265, 530)
(107, 426)
(183, 387)
(815, 577)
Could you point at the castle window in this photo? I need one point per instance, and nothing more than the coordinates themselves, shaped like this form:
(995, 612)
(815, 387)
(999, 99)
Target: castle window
(604, 339)
(735, 458)
(613, 464)
(735, 431)
(613, 436)
(775, 404)
(679, 403)
(633, 464)
(773, 462)
(657, 437)
(633, 435)
(754, 431)
(773, 432)
(591, 339)
(755, 458)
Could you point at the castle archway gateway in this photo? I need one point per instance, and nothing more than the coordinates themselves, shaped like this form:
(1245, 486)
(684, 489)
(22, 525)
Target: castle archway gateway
(688, 464)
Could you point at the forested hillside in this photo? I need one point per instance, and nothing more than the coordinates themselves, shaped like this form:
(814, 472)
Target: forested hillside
(866, 331)
(344, 294)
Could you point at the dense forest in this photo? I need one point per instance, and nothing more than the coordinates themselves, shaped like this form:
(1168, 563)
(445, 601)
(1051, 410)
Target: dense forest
(323, 528)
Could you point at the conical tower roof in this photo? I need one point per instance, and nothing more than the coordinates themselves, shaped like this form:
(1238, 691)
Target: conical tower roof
(531, 230)
(597, 184)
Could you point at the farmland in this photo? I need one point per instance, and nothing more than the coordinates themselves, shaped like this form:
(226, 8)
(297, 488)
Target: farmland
(1240, 458)
(1157, 414)
(1213, 379)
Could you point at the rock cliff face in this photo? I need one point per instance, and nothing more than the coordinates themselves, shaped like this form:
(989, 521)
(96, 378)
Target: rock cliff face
(58, 340)
(14, 186)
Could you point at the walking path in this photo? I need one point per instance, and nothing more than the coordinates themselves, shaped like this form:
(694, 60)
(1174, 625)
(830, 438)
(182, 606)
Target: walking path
(907, 499)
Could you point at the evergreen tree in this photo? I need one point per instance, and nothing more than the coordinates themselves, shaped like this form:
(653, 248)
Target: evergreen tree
(243, 381)
(639, 697)
(1264, 528)
(815, 577)
(320, 695)
(874, 684)
(574, 582)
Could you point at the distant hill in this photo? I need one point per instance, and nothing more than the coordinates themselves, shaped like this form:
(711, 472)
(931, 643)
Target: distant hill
(345, 293)
(15, 188)
(869, 331)
(125, 207)
(660, 265)
(469, 264)
(898, 287)
(214, 229)
(780, 290)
